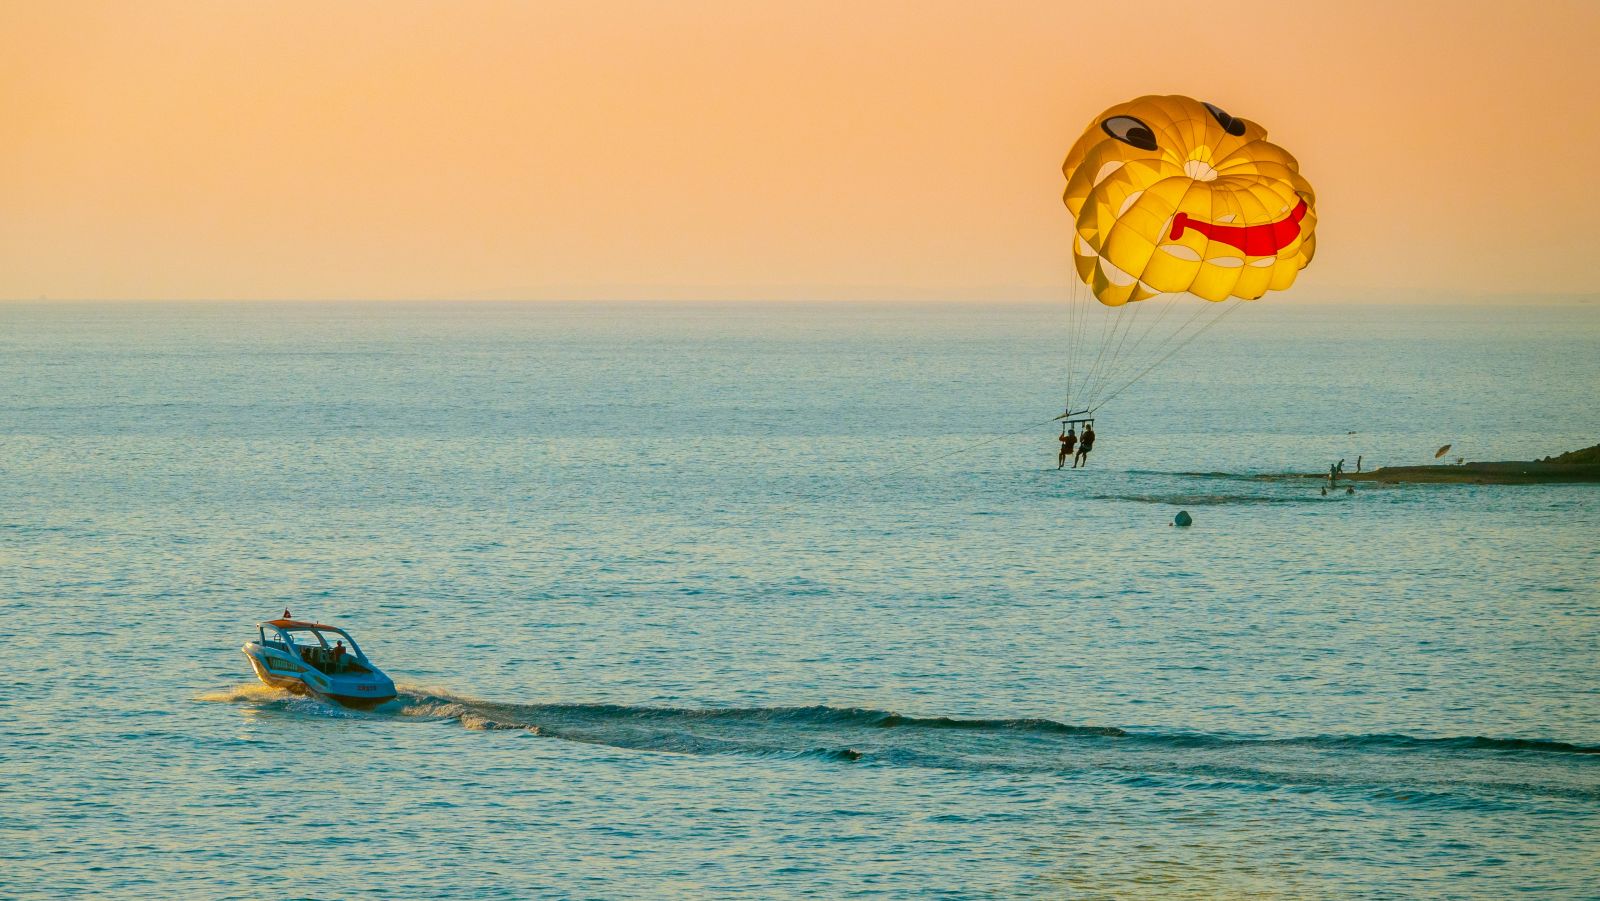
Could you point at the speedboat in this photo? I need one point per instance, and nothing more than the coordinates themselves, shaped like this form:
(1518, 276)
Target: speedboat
(314, 659)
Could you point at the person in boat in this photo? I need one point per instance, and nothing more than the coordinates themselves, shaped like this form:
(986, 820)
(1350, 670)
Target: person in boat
(1068, 439)
(335, 657)
(1085, 444)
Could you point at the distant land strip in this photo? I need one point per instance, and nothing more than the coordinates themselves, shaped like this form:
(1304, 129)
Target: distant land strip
(1575, 466)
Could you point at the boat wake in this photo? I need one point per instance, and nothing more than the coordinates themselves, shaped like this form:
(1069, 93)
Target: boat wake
(267, 699)
(249, 692)
(1448, 771)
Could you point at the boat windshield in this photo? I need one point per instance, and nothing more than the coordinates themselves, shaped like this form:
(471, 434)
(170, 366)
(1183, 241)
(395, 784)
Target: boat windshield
(309, 638)
(305, 637)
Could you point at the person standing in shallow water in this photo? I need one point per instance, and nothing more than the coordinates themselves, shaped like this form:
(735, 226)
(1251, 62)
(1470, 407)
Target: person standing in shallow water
(1068, 439)
(1085, 444)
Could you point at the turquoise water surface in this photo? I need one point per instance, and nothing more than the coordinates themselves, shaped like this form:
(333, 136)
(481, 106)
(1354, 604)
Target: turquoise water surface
(776, 600)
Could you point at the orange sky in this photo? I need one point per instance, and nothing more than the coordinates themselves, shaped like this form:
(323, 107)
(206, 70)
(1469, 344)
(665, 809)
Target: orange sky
(750, 149)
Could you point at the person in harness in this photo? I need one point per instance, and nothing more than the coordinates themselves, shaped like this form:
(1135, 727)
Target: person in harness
(1085, 444)
(1068, 439)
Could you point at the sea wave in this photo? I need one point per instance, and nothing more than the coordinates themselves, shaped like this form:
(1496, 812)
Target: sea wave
(1454, 743)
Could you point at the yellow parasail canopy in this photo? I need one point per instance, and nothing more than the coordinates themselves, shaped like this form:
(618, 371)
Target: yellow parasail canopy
(1171, 195)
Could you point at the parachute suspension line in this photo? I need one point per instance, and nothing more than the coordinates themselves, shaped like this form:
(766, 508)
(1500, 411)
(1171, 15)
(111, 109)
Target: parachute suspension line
(1108, 318)
(1130, 357)
(1087, 308)
(1172, 343)
(1074, 336)
(1181, 328)
(1181, 335)
(1074, 320)
(1179, 346)
(1127, 339)
(1123, 320)
(1079, 324)
(1132, 351)
(1126, 320)
(1080, 313)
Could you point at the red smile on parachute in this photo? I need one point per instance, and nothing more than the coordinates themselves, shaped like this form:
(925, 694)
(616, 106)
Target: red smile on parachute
(1254, 240)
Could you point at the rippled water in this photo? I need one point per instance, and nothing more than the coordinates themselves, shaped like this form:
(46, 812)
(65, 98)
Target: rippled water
(674, 613)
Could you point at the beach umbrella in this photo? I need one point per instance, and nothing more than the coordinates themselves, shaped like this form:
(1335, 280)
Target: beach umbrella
(1180, 212)
(1441, 452)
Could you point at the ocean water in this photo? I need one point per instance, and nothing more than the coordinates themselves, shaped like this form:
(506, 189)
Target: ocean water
(782, 600)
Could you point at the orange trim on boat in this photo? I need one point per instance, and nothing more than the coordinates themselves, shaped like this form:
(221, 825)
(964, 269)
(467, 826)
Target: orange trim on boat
(299, 624)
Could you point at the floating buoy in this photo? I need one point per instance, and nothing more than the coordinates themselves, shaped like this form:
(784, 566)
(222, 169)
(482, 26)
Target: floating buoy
(1183, 519)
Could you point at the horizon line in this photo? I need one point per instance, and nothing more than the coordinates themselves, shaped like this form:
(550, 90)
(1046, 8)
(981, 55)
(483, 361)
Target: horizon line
(1318, 298)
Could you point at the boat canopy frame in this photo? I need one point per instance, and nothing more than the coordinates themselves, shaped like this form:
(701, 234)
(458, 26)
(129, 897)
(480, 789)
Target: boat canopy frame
(285, 627)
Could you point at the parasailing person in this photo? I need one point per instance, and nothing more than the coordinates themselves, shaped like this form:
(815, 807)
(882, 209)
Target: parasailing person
(1084, 446)
(1068, 439)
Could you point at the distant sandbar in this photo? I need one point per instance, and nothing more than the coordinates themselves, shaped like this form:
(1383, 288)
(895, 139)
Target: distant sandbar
(1577, 466)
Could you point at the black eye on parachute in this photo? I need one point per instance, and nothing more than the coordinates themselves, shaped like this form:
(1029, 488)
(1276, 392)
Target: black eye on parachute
(1229, 124)
(1129, 130)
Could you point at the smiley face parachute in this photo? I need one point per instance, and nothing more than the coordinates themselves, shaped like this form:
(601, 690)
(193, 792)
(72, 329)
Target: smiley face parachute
(1175, 203)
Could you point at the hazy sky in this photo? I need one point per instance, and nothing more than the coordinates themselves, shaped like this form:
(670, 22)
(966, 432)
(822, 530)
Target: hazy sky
(753, 149)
